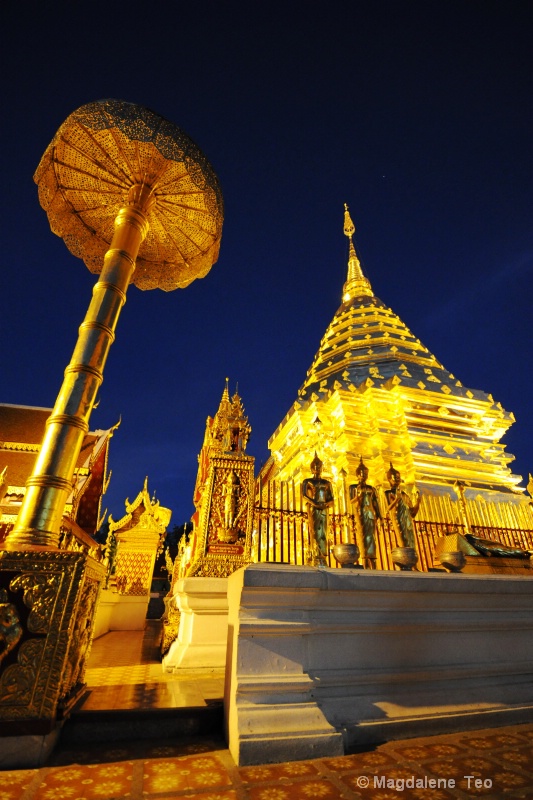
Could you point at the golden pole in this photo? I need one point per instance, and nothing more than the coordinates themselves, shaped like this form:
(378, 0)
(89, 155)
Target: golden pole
(108, 161)
(50, 484)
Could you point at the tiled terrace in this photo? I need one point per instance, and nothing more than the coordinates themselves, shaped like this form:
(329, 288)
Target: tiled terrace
(124, 672)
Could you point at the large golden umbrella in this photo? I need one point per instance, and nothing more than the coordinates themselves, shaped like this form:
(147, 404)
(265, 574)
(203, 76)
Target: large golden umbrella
(135, 198)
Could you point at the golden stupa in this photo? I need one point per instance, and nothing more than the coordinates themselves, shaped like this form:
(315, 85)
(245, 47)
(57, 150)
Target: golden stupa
(375, 391)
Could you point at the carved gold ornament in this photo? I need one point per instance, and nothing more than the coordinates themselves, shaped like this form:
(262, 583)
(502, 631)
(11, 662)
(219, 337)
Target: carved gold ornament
(10, 628)
(51, 602)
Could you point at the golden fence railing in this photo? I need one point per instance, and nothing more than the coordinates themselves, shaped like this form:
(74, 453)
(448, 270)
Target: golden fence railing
(511, 537)
(281, 533)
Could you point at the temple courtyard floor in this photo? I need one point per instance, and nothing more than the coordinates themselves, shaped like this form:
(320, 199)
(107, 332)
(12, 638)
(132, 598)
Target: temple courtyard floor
(125, 680)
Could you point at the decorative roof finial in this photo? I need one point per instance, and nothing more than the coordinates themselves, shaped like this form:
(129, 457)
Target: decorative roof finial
(356, 283)
(349, 227)
(224, 406)
(229, 430)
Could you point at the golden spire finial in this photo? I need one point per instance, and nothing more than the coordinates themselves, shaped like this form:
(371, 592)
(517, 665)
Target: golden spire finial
(225, 402)
(356, 283)
(349, 227)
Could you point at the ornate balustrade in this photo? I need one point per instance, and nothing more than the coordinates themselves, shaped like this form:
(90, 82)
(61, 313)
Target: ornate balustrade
(281, 534)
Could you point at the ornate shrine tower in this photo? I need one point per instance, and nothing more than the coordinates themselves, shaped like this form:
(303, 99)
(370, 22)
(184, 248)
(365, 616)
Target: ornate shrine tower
(223, 495)
(374, 390)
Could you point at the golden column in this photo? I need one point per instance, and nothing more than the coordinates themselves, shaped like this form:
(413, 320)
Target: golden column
(121, 185)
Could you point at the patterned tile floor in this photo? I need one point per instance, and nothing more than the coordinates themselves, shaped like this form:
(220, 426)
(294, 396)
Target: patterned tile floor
(124, 672)
(499, 763)
(490, 764)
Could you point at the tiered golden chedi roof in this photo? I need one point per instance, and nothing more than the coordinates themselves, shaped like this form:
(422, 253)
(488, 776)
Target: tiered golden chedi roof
(375, 390)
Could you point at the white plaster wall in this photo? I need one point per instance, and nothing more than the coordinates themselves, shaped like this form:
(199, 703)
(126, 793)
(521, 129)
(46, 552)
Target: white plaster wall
(322, 659)
(104, 611)
(202, 637)
(116, 612)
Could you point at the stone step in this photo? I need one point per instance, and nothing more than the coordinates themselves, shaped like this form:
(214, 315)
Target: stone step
(112, 725)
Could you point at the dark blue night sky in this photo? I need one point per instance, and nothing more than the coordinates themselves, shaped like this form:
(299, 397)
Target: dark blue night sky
(417, 114)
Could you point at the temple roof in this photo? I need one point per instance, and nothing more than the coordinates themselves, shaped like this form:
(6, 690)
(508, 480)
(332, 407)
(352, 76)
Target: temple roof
(21, 432)
(23, 423)
(22, 429)
(144, 512)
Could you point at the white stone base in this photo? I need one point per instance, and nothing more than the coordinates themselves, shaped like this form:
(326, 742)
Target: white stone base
(202, 639)
(118, 612)
(321, 659)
